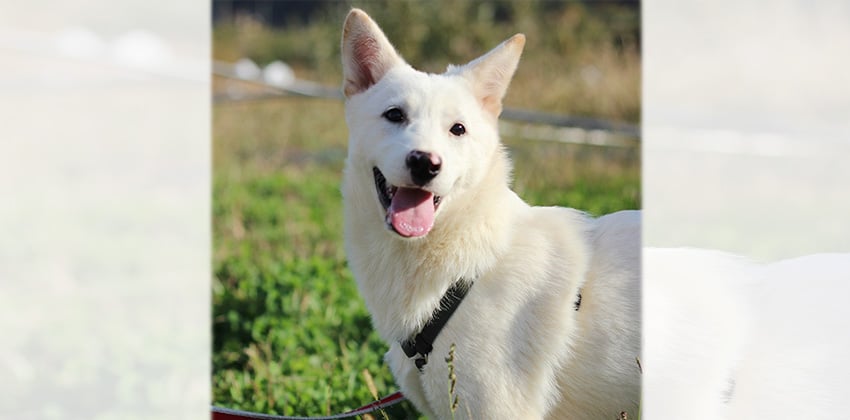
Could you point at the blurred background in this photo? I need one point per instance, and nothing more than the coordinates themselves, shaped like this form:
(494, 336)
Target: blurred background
(290, 333)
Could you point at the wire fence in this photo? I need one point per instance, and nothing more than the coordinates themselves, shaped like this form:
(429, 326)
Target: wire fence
(277, 80)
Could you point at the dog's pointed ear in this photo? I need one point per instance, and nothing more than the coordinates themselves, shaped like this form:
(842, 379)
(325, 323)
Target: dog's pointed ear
(366, 53)
(491, 73)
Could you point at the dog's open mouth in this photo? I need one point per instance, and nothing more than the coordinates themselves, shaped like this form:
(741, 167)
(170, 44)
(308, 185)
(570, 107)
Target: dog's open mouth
(410, 211)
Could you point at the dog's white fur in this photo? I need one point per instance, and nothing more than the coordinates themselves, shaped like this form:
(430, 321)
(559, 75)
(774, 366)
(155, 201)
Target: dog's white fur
(522, 350)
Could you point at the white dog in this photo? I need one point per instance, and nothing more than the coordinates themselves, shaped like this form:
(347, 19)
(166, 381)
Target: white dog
(542, 303)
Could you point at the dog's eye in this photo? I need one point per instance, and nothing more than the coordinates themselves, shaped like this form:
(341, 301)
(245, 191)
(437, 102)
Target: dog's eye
(458, 129)
(395, 115)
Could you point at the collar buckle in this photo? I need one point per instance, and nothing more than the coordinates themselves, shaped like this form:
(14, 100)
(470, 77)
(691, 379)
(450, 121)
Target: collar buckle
(421, 344)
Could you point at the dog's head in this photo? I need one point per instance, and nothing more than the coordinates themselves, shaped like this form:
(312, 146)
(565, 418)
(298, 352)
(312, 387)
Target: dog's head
(424, 140)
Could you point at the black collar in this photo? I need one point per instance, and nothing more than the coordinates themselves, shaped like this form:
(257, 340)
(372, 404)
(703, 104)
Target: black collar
(421, 344)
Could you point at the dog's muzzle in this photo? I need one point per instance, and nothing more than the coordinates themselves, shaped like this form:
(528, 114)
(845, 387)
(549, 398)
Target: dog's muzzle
(410, 211)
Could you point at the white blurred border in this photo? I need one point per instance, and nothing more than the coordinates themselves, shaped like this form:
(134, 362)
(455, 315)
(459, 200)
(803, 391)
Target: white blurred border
(746, 134)
(747, 126)
(104, 179)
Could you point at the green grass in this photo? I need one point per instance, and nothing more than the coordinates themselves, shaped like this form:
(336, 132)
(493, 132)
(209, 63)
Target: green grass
(291, 334)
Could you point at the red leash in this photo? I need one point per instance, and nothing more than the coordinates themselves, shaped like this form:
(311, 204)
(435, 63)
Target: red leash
(221, 413)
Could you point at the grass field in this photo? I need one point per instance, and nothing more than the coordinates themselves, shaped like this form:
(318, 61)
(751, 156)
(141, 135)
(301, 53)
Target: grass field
(291, 334)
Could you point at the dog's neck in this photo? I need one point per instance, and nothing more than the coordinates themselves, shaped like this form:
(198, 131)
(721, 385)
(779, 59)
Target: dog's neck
(404, 280)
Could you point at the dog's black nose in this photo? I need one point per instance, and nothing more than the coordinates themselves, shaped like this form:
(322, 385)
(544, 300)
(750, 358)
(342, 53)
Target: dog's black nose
(423, 166)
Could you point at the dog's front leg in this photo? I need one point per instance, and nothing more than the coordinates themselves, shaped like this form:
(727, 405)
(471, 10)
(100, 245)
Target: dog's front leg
(408, 378)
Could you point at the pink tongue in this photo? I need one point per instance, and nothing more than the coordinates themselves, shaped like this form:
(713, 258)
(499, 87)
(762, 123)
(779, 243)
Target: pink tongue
(412, 211)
